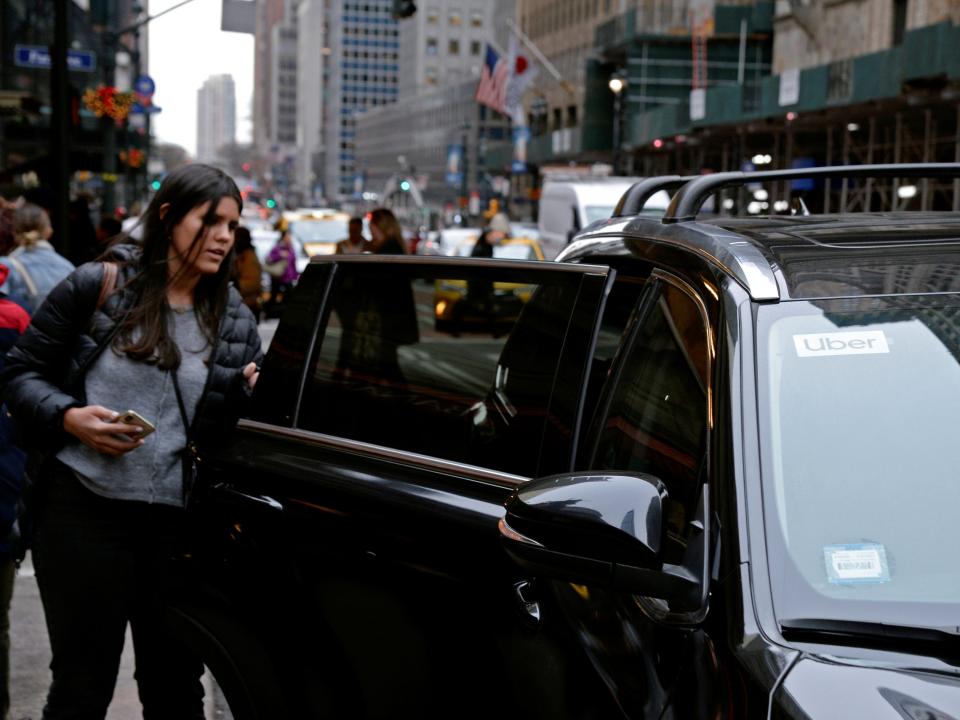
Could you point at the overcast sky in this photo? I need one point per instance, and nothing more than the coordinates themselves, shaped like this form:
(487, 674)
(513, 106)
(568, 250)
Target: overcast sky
(186, 47)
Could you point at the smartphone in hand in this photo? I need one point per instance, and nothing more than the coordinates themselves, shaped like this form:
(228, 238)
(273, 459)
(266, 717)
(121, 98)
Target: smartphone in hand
(132, 417)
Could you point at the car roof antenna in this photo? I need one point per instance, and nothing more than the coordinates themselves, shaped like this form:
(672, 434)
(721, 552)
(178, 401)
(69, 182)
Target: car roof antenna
(799, 207)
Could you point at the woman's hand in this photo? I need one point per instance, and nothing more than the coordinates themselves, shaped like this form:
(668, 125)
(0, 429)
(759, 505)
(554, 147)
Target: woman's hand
(94, 426)
(251, 372)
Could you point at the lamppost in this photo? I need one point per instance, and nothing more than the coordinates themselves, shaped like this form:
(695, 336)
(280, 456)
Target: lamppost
(617, 84)
(464, 166)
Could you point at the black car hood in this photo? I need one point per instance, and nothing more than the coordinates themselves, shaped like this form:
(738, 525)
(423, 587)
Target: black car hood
(818, 688)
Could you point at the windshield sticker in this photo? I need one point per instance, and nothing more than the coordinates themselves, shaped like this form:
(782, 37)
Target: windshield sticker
(864, 342)
(857, 563)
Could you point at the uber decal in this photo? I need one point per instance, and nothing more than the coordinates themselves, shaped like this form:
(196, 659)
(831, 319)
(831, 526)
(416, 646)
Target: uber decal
(863, 342)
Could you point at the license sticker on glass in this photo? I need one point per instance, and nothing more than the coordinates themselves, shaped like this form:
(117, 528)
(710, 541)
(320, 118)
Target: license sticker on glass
(856, 563)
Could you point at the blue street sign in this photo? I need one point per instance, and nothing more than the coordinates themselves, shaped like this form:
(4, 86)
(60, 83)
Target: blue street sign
(38, 56)
(144, 85)
(139, 109)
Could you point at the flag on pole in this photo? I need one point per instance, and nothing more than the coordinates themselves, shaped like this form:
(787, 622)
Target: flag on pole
(522, 74)
(492, 88)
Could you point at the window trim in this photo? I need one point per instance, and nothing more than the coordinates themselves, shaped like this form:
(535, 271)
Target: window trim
(652, 293)
(475, 472)
(382, 452)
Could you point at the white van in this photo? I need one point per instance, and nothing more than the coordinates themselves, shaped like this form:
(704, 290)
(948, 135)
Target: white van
(568, 206)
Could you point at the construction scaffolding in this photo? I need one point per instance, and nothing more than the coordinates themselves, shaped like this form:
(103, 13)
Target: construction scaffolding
(899, 130)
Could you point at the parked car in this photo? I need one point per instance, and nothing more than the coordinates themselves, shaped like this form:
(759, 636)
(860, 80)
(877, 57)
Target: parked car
(709, 472)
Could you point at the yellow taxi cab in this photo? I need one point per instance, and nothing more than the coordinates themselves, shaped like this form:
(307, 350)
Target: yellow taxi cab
(318, 230)
(460, 305)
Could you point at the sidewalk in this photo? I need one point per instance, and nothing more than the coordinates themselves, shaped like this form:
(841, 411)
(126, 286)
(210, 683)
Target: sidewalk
(30, 661)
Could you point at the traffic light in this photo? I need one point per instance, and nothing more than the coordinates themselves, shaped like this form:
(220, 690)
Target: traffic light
(271, 203)
(155, 185)
(246, 167)
(405, 185)
(403, 9)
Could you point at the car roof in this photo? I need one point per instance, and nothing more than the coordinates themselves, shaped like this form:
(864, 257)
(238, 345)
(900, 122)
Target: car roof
(783, 257)
(802, 257)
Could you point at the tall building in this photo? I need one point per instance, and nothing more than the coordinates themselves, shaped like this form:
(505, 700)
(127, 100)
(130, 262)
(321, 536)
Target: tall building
(310, 87)
(364, 47)
(282, 137)
(216, 117)
(269, 14)
(443, 43)
(564, 33)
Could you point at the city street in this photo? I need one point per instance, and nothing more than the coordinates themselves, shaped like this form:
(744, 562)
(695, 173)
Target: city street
(30, 651)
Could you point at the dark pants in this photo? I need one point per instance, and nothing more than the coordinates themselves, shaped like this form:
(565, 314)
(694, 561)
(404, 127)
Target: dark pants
(100, 564)
(7, 571)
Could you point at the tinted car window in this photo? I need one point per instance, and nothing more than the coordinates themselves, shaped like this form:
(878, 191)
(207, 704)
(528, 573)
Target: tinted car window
(656, 412)
(457, 363)
(275, 396)
(622, 302)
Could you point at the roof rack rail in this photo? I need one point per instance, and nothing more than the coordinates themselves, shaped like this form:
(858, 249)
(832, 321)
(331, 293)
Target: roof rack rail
(637, 194)
(687, 201)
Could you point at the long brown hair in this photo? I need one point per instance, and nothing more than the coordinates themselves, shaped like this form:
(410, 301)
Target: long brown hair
(143, 333)
(387, 223)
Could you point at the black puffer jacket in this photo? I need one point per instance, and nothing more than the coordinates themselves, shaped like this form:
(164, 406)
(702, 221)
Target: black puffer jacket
(45, 370)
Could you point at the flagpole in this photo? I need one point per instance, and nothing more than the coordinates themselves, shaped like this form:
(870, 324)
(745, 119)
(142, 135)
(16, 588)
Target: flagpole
(565, 84)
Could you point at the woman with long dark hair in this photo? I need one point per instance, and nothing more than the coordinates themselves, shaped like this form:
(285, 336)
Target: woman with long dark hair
(128, 364)
(386, 233)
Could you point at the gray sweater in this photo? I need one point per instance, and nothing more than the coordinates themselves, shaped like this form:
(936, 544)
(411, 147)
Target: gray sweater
(153, 472)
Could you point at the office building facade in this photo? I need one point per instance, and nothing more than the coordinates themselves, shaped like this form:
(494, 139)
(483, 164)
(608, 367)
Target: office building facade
(216, 117)
(364, 45)
(443, 43)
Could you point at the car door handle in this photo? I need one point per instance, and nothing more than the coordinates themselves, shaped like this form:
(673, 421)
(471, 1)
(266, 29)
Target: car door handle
(264, 502)
(526, 597)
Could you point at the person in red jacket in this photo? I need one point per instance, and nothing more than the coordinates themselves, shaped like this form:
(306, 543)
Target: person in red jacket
(13, 321)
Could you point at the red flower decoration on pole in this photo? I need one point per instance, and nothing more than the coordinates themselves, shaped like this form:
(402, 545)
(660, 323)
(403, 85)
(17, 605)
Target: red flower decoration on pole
(107, 100)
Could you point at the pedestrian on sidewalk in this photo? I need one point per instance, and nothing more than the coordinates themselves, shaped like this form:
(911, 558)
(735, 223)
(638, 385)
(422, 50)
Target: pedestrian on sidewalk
(355, 243)
(282, 268)
(13, 321)
(160, 331)
(35, 267)
(249, 272)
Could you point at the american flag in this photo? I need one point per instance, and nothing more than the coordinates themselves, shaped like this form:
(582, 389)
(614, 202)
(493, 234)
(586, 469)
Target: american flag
(492, 88)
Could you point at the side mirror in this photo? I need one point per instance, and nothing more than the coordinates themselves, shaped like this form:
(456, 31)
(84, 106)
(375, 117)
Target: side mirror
(605, 530)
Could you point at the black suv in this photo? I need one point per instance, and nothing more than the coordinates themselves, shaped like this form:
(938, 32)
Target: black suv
(711, 469)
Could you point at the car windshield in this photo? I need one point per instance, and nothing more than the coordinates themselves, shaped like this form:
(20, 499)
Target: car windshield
(861, 461)
(598, 212)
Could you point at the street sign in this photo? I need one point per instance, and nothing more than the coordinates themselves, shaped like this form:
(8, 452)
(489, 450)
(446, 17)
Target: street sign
(148, 109)
(38, 57)
(144, 86)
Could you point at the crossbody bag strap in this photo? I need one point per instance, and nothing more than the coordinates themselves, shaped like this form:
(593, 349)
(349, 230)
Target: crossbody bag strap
(27, 279)
(182, 406)
(190, 451)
